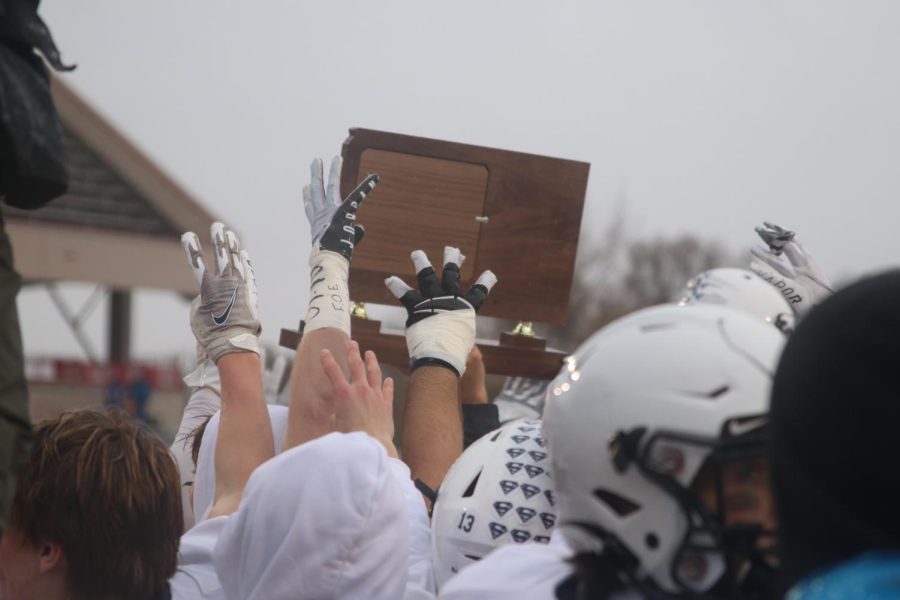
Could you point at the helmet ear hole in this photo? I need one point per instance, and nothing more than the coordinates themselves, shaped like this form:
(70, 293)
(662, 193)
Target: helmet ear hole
(470, 489)
(618, 504)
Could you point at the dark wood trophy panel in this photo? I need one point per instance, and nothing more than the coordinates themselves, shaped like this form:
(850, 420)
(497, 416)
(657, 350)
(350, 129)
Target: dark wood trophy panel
(421, 203)
(514, 213)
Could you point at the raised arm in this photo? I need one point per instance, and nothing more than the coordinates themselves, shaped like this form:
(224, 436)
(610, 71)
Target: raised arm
(787, 265)
(440, 333)
(327, 325)
(225, 322)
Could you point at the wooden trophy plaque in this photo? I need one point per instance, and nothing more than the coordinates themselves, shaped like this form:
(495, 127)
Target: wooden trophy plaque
(514, 213)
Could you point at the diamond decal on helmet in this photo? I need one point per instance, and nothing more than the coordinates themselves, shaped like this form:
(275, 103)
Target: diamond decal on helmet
(497, 530)
(502, 507)
(513, 467)
(525, 513)
(551, 498)
(520, 438)
(520, 535)
(530, 490)
(533, 471)
(515, 452)
(542, 539)
(540, 441)
(548, 519)
(507, 486)
(537, 456)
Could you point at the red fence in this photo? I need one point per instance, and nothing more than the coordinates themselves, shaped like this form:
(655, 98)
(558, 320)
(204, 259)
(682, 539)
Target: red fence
(159, 375)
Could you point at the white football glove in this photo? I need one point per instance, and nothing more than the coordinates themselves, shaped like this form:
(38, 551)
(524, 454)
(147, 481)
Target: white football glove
(205, 375)
(332, 221)
(440, 328)
(334, 234)
(224, 316)
(786, 264)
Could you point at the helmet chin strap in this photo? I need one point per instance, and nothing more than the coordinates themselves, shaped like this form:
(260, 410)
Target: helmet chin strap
(752, 575)
(605, 572)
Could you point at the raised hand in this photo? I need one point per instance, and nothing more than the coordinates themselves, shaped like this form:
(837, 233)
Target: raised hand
(365, 402)
(440, 324)
(786, 264)
(224, 316)
(332, 221)
(334, 233)
(774, 236)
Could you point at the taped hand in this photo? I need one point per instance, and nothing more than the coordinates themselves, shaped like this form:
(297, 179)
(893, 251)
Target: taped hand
(440, 324)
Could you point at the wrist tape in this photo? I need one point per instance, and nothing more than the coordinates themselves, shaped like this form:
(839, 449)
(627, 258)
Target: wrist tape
(447, 336)
(329, 296)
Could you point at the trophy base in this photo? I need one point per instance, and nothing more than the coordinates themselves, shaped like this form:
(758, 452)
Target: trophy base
(514, 356)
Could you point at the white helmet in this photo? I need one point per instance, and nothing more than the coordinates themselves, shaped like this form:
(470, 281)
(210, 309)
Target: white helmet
(743, 290)
(632, 417)
(499, 491)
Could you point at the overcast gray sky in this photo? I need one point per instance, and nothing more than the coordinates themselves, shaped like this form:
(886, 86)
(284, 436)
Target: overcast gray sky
(706, 116)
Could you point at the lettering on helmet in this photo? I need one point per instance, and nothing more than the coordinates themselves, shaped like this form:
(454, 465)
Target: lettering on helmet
(548, 519)
(525, 513)
(530, 490)
(537, 456)
(502, 507)
(533, 471)
(507, 486)
(520, 536)
(781, 285)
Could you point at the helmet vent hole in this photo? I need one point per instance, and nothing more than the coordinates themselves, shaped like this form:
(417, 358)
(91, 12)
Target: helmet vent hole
(497, 435)
(719, 391)
(619, 504)
(652, 541)
(649, 328)
(470, 490)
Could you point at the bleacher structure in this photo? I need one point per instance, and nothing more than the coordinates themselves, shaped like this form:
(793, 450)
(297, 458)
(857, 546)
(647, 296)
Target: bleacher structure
(118, 226)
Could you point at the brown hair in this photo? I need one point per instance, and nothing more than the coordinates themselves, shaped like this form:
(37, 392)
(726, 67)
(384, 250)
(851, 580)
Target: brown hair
(106, 490)
(195, 438)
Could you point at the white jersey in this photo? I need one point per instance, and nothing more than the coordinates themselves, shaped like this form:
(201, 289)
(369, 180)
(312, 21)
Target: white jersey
(195, 577)
(517, 572)
(205, 477)
(420, 584)
(202, 403)
(514, 572)
(420, 577)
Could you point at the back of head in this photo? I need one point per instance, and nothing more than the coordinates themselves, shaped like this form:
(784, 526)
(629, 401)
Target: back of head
(635, 415)
(106, 490)
(499, 491)
(835, 409)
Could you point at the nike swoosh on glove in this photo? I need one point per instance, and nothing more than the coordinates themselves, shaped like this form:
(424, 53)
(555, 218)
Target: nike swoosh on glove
(440, 324)
(224, 316)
